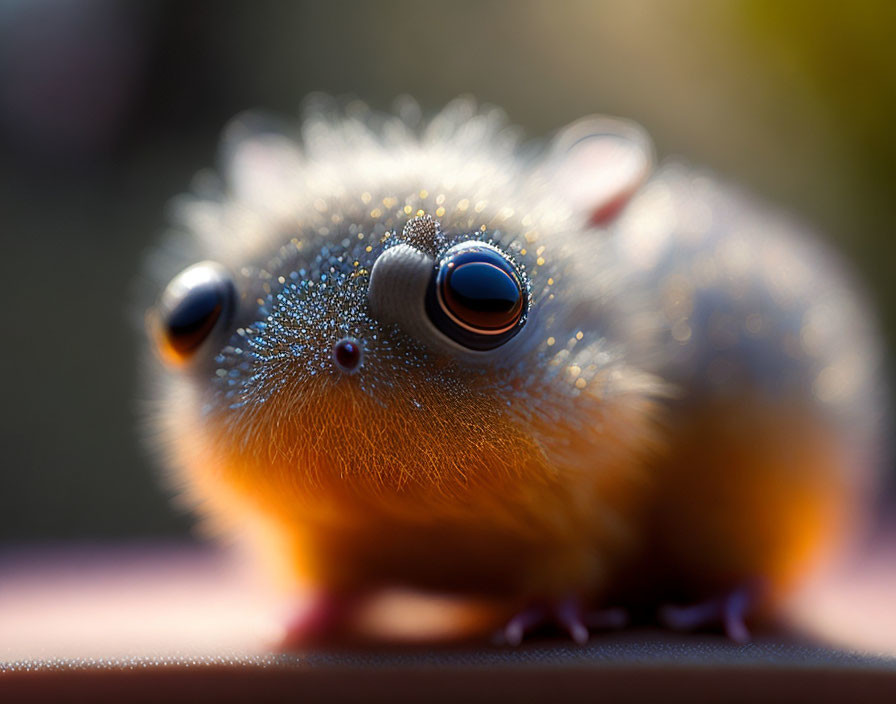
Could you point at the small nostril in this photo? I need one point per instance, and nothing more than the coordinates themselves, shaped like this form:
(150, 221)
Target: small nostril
(348, 355)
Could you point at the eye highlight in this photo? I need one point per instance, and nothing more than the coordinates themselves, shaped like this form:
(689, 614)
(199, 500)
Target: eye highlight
(193, 305)
(477, 296)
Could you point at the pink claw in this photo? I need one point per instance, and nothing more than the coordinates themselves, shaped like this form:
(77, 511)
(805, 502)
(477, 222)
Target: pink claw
(569, 615)
(522, 623)
(737, 606)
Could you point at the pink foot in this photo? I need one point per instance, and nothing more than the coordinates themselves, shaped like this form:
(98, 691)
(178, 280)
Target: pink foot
(320, 619)
(567, 614)
(729, 611)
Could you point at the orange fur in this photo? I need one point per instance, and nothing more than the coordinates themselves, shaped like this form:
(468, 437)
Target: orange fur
(500, 512)
(750, 489)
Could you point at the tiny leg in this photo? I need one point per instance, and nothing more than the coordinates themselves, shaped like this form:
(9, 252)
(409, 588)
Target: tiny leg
(321, 619)
(568, 614)
(729, 611)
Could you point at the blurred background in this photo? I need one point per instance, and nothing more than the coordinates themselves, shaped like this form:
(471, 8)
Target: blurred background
(107, 109)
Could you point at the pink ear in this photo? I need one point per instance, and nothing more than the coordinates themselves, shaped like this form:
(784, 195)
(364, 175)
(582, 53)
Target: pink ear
(599, 163)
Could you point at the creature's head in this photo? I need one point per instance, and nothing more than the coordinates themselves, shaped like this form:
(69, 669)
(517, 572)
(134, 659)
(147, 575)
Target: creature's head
(386, 310)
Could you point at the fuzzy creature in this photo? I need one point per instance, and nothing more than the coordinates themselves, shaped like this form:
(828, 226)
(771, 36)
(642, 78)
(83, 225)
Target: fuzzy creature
(416, 353)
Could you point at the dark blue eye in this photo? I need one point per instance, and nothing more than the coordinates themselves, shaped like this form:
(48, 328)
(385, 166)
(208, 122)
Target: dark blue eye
(477, 296)
(191, 307)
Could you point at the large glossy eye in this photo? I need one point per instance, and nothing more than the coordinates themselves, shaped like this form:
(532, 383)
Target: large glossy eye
(197, 300)
(477, 296)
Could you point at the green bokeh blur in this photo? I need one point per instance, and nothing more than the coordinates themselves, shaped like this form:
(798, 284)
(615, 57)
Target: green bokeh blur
(108, 108)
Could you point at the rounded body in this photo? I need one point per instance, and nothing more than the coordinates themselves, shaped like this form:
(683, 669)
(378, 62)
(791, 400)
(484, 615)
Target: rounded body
(680, 397)
(772, 430)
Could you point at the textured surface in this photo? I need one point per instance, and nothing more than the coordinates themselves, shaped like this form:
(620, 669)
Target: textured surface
(636, 667)
(185, 624)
